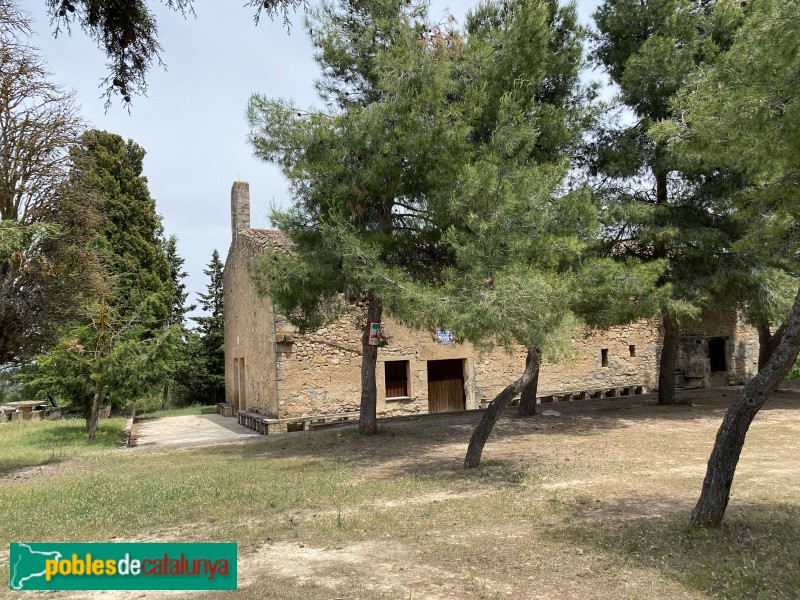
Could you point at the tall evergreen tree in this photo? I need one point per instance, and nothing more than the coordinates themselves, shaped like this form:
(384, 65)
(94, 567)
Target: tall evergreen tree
(208, 350)
(364, 170)
(177, 316)
(132, 237)
(177, 276)
(121, 344)
(662, 205)
(743, 110)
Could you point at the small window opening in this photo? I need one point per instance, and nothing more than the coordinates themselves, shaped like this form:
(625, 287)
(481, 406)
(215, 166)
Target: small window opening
(716, 355)
(604, 357)
(632, 350)
(396, 378)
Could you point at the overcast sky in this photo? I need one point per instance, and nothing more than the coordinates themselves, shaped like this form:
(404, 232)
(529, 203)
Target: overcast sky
(192, 121)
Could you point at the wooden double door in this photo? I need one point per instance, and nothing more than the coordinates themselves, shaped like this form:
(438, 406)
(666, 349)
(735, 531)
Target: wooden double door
(446, 386)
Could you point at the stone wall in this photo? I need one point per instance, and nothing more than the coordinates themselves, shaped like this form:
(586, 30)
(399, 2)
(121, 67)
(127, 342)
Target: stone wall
(320, 372)
(272, 369)
(250, 371)
(249, 335)
(738, 340)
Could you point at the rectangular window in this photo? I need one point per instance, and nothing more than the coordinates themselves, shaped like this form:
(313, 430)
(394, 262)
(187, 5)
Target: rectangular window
(396, 378)
(632, 350)
(604, 357)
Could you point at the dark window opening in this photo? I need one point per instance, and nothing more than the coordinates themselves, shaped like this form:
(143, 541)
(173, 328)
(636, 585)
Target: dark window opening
(396, 378)
(716, 355)
(604, 357)
(632, 350)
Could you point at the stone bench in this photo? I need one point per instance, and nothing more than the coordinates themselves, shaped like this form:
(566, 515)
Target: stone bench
(224, 409)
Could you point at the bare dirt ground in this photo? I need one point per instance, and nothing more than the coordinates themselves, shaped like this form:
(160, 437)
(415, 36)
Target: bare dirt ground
(589, 504)
(620, 460)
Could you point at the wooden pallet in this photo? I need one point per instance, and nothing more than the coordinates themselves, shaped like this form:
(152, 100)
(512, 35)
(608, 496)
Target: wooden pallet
(632, 389)
(267, 425)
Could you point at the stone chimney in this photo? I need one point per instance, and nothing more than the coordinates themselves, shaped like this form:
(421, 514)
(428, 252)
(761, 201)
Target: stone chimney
(240, 206)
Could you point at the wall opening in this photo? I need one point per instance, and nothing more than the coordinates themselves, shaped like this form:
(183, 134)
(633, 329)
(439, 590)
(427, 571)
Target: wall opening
(396, 378)
(235, 384)
(242, 386)
(604, 357)
(632, 350)
(716, 355)
(446, 386)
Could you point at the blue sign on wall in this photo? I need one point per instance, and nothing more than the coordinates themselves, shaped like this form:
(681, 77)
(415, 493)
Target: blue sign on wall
(444, 336)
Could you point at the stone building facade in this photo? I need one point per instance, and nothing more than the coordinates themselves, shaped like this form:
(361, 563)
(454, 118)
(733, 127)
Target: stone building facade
(272, 369)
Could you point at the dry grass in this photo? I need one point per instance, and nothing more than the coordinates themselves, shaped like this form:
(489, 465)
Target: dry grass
(591, 504)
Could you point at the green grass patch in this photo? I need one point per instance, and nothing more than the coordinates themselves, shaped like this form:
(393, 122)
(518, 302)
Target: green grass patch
(132, 494)
(752, 556)
(32, 443)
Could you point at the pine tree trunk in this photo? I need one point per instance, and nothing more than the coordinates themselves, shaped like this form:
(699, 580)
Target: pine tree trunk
(661, 187)
(367, 421)
(714, 497)
(165, 395)
(527, 401)
(91, 422)
(768, 342)
(666, 368)
(495, 409)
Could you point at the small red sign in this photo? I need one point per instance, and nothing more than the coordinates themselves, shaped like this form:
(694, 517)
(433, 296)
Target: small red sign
(374, 335)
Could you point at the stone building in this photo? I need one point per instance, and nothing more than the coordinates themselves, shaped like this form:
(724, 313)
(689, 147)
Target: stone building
(272, 369)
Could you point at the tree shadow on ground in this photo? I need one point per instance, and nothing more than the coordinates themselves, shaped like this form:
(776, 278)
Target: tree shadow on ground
(754, 555)
(436, 444)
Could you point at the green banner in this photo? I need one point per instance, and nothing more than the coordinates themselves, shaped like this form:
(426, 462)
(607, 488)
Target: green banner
(124, 566)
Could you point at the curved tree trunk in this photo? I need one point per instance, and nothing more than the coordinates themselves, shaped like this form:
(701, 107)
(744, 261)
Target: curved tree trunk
(768, 342)
(495, 409)
(527, 401)
(730, 438)
(367, 421)
(666, 368)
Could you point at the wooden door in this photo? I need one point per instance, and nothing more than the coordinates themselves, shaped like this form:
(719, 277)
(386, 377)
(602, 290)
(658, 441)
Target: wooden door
(446, 386)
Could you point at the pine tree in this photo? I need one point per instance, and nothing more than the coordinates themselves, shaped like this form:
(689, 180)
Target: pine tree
(510, 241)
(740, 111)
(660, 204)
(206, 380)
(363, 172)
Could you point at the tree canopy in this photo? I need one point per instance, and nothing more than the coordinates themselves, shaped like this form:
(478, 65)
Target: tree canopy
(127, 33)
(41, 217)
(120, 344)
(742, 110)
(660, 204)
